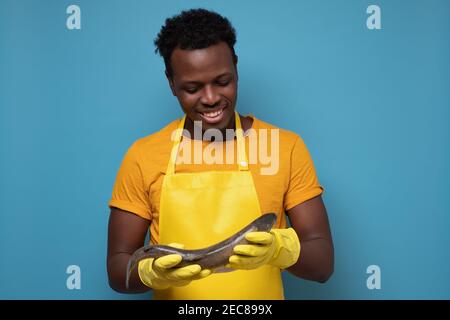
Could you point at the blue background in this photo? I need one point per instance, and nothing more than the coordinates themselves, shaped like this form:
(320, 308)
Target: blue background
(371, 105)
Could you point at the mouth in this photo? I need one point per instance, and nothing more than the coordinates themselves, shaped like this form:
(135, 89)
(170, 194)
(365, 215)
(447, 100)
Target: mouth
(213, 116)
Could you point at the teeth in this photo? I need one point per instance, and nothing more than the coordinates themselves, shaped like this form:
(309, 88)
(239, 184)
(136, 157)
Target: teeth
(213, 114)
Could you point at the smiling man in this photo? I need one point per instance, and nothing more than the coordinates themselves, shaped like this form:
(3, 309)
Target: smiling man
(190, 203)
(205, 83)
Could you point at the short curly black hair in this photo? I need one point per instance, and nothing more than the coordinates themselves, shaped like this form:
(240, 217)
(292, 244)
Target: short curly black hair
(193, 29)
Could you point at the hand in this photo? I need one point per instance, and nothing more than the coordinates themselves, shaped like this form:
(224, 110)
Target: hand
(161, 273)
(279, 247)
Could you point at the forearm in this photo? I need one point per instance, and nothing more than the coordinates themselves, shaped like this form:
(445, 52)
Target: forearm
(316, 261)
(117, 266)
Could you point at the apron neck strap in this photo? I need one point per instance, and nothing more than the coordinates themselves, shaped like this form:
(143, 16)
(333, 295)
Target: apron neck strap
(241, 154)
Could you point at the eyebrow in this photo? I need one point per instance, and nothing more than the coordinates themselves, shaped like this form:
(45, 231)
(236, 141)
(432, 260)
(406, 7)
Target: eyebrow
(198, 82)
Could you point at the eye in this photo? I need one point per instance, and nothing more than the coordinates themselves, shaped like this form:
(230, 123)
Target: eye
(191, 90)
(223, 83)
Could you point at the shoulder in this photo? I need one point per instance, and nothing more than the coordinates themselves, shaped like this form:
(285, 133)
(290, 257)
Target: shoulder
(154, 141)
(152, 151)
(287, 138)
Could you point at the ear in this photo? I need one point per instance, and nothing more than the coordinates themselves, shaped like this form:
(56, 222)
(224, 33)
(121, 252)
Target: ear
(235, 67)
(171, 85)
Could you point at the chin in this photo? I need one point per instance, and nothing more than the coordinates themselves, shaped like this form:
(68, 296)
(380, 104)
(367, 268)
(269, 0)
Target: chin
(227, 122)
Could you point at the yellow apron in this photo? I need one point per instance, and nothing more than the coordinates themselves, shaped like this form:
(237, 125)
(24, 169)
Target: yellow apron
(201, 209)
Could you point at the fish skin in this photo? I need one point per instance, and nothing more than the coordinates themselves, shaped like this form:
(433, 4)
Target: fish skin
(214, 257)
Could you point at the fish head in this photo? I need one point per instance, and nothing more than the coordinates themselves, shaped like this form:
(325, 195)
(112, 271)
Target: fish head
(265, 222)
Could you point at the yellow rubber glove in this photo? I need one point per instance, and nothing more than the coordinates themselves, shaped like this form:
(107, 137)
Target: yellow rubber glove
(161, 273)
(279, 248)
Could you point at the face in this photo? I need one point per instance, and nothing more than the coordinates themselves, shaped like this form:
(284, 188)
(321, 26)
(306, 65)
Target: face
(205, 83)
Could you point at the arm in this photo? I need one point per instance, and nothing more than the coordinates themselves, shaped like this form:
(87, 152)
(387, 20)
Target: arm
(310, 221)
(126, 233)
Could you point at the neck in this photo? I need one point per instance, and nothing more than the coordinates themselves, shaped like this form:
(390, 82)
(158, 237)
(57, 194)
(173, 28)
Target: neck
(193, 131)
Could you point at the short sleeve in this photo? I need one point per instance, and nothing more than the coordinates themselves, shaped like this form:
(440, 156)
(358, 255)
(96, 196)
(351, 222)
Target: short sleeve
(303, 183)
(129, 192)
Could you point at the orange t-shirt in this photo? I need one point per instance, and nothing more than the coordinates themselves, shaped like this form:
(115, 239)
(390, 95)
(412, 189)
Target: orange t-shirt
(283, 172)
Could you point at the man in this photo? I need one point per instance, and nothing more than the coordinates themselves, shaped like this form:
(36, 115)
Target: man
(194, 203)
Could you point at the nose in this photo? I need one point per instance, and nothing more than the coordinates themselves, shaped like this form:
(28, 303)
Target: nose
(209, 97)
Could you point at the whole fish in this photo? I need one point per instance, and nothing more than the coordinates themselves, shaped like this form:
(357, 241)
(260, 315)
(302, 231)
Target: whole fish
(214, 257)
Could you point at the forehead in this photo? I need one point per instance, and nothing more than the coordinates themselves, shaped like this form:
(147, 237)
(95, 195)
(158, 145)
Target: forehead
(199, 63)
